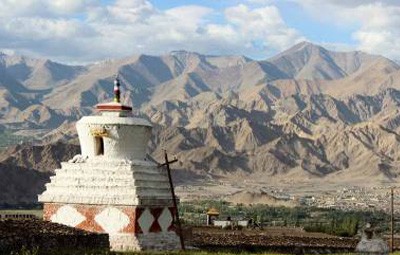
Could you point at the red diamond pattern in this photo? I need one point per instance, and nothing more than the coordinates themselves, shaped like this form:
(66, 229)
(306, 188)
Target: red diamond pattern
(155, 227)
(156, 212)
(139, 212)
(172, 227)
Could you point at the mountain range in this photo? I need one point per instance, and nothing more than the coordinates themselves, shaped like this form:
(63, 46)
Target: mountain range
(306, 113)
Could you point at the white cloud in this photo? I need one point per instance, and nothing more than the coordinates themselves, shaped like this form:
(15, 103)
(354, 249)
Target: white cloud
(376, 23)
(70, 6)
(43, 8)
(379, 30)
(263, 26)
(86, 30)
(261, 2)
(130, 10)
(39, 28)
(190, 15)
(345, 3)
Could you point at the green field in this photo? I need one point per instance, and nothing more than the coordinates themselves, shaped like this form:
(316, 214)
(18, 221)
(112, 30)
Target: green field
(328, 221)
(37, 213)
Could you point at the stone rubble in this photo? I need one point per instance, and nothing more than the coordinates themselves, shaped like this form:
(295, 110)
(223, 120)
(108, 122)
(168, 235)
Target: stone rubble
(47, 236)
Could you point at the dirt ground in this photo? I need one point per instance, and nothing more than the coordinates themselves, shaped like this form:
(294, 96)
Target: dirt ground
(286, 240)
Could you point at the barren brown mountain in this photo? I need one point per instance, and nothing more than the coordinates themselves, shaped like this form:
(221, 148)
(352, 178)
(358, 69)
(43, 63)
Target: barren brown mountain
(306, 113)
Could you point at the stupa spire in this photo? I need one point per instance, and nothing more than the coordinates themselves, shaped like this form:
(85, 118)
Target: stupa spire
(115, 106)
(117, 91)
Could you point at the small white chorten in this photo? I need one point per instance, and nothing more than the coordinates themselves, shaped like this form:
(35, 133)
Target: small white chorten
(112, 187)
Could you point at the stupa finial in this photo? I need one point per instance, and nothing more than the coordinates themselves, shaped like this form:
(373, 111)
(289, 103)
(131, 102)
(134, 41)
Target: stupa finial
(115, 106)
(117, 92)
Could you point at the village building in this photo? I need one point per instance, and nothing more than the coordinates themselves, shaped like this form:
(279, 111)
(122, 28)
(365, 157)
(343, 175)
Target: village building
(212, 214)
(113, 187)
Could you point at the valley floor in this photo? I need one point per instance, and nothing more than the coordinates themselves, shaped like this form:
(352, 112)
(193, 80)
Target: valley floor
(325, 193)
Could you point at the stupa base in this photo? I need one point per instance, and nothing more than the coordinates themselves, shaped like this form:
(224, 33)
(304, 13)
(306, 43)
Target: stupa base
(130, 228)
(142, 242)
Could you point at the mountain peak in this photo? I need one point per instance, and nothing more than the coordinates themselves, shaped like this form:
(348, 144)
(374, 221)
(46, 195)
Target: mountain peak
(305, 47)
(305, 44)
(183, 52)
(308, 61)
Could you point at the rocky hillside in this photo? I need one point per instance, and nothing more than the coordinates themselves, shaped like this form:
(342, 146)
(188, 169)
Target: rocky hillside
(25, 169)
(302, 135)
(20, 185)
(305, 113)
(41, 158)
(41, 94)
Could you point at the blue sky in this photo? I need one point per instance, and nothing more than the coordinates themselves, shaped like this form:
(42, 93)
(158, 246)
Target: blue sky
(82, 31)
(295, 16)
(292, 13)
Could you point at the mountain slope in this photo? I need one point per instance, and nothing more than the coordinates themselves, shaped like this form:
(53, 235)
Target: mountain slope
(20, 185)
(313, 62)
(306, 114)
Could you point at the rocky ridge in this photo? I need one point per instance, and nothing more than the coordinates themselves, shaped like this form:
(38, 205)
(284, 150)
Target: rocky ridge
(305, 113)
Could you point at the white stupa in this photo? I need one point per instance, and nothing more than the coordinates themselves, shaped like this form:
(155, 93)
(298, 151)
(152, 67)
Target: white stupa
(112, 187)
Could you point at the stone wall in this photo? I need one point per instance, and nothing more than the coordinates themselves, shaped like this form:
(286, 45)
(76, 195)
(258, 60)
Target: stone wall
(47, 236)
(216, 239)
